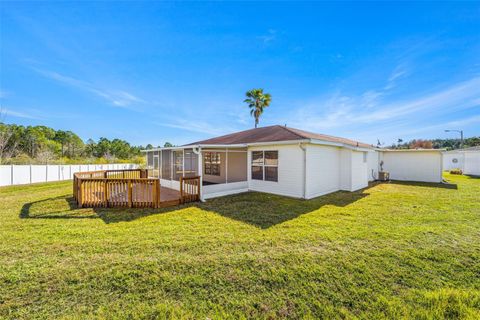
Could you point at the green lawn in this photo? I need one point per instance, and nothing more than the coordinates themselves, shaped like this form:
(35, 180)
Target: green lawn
(392, 250)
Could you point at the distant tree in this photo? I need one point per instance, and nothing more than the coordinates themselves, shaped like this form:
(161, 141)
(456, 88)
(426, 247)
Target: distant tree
(257, 102)
(103, 147)
(23, 145)
(421, 144)
(90, 148)
(120, 148)
(6, 148)
(45, 155)
(75, 145)
(167, 145)
(61, 137)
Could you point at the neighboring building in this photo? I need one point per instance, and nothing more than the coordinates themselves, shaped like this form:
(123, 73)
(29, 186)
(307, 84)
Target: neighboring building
(467, 159)
(287, 161)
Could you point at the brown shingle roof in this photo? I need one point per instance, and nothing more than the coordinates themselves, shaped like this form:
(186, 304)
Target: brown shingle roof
(274, 134)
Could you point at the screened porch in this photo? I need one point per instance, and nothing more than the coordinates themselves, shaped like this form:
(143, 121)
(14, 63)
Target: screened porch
(221, 170)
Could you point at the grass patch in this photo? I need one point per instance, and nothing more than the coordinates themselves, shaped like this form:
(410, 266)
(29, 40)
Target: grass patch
(392, 250)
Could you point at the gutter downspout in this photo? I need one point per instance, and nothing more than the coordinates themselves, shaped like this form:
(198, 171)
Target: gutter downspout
(304, 191)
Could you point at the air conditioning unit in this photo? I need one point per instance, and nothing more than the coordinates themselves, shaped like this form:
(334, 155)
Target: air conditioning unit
(383, 175)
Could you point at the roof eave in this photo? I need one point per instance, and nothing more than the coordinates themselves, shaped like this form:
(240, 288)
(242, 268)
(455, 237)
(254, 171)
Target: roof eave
(414, 150)
(341, 145)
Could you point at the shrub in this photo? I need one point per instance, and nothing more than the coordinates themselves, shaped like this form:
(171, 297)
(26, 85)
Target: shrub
(456, 171)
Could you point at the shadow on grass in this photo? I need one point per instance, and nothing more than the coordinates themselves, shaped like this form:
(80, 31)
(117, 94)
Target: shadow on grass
(265, 210)
(262, 210)
(65, 207)
(114, 215)
(258, 209)
(446, 185)
(61, 207)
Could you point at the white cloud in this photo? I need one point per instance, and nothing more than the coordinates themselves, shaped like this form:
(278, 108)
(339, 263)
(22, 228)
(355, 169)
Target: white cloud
(460, 123)
(194, 125)
(370, 98)
(457, 97)
(115, 97)
(270, 36)
(4, 112)
(344, 111)
(399, 72)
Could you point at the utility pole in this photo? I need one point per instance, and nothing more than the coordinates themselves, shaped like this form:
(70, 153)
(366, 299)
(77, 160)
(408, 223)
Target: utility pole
(461, 136)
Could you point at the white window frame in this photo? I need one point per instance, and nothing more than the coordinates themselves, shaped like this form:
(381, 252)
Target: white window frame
(263, 165)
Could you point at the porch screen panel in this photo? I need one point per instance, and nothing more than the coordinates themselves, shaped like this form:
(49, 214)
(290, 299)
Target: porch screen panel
(156, 163)
(191, 163)
(149, 159)
(177, 164)
(236, 165)
(166, 164)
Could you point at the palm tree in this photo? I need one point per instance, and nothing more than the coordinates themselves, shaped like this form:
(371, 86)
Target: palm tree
(257, 101)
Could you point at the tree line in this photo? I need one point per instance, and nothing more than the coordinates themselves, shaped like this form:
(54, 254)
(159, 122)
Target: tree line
(41, 144)
(449, 144)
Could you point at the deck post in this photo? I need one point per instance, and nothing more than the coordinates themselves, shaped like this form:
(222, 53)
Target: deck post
(157, 194)
(181, 190)
(79, 185)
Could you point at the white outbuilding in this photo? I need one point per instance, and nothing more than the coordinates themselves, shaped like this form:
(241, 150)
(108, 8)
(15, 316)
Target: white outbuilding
(467, 160)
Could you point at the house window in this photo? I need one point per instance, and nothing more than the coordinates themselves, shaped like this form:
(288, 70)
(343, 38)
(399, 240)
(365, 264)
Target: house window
(212, 163)
(265, 165)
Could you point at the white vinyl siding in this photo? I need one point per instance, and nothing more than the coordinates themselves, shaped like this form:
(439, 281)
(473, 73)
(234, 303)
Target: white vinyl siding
(323, 170)
(353, 170)
(359, 171)
(345, 169)
(468, 161)
(425, 166)
(372, 165)
(290, 171)
(453, 160)
(472, 163)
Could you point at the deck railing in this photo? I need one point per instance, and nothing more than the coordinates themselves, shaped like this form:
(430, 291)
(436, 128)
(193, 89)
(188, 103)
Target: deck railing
(189, 189)
(127, 188)
(116, 188)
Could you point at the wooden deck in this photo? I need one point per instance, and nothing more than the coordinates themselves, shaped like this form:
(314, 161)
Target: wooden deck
(130, 188)
(169, 197)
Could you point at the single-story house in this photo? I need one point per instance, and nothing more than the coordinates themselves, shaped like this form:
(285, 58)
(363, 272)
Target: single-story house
(286, 161)
(467, 159)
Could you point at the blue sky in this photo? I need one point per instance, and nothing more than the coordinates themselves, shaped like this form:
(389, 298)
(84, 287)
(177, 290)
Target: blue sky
(154, 72)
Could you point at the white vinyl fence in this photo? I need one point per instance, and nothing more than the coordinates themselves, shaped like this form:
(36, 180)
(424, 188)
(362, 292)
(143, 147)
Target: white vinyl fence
(26, 174)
